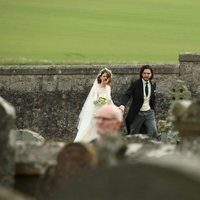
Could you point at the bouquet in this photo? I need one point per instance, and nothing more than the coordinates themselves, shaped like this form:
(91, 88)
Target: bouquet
(101, 101)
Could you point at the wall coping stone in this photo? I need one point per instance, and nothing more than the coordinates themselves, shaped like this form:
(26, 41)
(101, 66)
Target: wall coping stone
(189, 57)
(83, 69)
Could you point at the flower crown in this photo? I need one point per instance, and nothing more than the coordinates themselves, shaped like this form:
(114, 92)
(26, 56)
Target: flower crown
(107, 70)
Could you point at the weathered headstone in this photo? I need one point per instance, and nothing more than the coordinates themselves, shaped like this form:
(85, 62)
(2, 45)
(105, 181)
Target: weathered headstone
(132, 181)
(7, 141)
(29, 136)
(180, 91)
(32, 161)
(186, 117)
(187, 121)
(72, 160)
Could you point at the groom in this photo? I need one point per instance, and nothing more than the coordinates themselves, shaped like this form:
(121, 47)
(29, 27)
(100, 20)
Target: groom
(141, 114)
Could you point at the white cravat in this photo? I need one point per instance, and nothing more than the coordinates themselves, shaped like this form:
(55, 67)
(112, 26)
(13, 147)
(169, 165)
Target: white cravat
(146, 105)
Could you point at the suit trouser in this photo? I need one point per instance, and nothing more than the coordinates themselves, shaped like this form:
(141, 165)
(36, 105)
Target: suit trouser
(146, 118)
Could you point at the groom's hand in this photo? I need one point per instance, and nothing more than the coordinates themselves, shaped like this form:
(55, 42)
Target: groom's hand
(122, 108)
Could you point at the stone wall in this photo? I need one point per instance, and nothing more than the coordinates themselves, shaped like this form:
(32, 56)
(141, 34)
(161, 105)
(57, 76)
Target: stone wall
(190, 70)
(48, 99)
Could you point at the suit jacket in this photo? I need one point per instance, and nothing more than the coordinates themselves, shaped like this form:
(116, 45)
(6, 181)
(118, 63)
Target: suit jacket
(135, 91)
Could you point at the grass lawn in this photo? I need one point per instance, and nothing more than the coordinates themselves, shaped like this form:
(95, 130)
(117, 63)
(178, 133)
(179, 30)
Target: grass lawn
(97, 31)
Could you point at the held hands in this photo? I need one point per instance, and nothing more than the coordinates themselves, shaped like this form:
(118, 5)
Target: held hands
(122, 108)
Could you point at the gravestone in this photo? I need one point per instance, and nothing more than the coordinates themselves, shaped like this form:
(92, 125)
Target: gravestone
(7, 141)
(72, 160)
(187, 121)
(29, 136)
(186, 117)
(132, 181)
(32, 161)
(180, 91)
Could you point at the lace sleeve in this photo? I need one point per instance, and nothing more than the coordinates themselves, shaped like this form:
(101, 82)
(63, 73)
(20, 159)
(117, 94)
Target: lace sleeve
(108, 89)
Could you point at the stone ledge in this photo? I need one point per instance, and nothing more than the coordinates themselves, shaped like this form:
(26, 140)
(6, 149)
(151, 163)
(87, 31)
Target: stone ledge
(83, 69)
(189, 57)
(34, 158)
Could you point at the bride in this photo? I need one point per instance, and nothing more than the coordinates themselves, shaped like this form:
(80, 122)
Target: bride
(99, 95)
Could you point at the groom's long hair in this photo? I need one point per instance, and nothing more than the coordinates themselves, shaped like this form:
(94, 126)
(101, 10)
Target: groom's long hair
(146, 67)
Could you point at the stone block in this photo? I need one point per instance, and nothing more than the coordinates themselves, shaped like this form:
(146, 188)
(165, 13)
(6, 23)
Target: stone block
(189, 71)
(49, 83)
(189, 57)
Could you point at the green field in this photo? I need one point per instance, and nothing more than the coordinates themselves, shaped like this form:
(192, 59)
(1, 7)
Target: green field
(97, 31)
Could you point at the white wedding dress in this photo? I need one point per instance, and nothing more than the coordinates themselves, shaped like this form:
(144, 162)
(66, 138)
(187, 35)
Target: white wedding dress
(86, 127)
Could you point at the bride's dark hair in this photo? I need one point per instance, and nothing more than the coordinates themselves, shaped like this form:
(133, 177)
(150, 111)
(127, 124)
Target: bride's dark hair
(108, 72)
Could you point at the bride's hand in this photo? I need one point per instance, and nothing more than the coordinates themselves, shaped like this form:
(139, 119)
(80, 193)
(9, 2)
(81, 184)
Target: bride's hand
(122, 108)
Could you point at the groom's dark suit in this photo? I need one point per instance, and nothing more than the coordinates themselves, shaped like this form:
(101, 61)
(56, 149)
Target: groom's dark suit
(135, 91)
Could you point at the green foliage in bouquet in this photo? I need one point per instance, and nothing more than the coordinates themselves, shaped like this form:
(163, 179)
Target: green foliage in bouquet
(101, 101)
